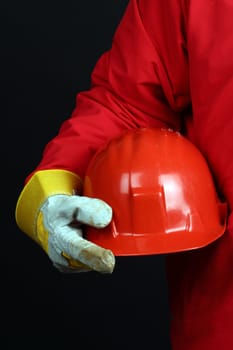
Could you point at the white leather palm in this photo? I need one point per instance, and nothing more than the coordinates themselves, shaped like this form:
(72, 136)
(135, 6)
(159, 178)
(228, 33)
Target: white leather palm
(63, 216)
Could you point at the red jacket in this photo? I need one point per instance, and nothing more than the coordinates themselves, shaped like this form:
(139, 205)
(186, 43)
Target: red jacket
(171, 64)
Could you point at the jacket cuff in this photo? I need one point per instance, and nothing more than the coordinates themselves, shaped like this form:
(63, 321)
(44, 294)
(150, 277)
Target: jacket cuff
(41, 185)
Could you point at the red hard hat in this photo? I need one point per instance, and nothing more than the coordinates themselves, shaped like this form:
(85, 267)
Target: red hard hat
(161, 191)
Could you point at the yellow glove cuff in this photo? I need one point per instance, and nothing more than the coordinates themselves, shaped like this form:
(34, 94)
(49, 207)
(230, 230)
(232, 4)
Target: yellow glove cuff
(42, 184)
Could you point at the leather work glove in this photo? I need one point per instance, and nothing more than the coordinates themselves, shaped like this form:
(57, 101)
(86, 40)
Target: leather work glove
(63, 217)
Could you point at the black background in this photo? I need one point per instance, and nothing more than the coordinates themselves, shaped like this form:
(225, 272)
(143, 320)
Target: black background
(48, 51)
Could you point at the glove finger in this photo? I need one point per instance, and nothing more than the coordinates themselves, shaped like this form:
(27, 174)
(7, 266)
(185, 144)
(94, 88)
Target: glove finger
(62, 261)
(54, 253)
(93, 212)
(72, 244)
(76, 264)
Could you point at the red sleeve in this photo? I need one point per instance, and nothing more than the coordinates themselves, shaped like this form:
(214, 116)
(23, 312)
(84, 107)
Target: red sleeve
(142, 81)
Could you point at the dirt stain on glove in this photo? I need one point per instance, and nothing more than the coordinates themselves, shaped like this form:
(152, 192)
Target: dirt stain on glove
(99, 259)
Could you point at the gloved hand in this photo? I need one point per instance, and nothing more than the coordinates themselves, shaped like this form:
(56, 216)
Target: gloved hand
(63, 216)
